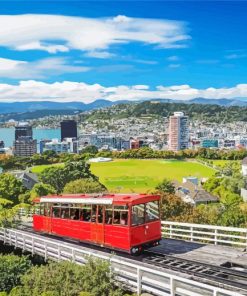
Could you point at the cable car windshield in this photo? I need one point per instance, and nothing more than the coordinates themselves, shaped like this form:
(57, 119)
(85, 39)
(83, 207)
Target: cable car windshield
(144, 213)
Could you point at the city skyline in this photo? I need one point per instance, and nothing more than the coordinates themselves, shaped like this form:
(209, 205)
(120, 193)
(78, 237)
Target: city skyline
(84, 51)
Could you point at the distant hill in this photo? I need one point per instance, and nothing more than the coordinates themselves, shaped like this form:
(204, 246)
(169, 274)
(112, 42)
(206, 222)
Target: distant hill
(19, 107)
(203, 112)
(33, 110)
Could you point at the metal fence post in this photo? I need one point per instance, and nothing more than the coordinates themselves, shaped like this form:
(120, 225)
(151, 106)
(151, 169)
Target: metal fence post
(59, 252)
(170, 226)
(172, 287)
(216, 237)
(15, 240)
(191, 234)
(73, 255)
(4, 236)
(32, 246)
(45, 251)
(139, 281)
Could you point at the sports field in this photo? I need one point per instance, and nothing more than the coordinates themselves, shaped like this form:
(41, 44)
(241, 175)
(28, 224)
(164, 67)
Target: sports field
(39, 168)
(135, 175)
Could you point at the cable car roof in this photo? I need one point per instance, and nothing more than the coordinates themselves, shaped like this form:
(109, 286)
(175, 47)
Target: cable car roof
(105, 199)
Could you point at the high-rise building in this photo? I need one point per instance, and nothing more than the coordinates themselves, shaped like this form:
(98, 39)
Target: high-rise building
(68, 129)
(23, 129)
(178, 131)
(24, 145)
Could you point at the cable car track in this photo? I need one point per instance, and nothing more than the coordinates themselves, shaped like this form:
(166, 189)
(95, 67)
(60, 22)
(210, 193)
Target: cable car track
(216, 274)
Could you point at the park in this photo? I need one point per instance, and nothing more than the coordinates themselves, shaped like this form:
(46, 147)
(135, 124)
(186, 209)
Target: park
(139, 175)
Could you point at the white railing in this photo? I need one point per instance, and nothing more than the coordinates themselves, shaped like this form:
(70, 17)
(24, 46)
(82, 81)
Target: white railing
(218, 235)
(132, 274)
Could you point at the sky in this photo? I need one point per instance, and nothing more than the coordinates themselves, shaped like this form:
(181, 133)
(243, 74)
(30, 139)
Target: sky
(84, 51)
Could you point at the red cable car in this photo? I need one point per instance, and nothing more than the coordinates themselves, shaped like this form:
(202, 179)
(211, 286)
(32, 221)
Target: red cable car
(126, 222)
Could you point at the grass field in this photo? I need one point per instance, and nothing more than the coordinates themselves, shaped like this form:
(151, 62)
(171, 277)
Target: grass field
(39, 168)
(135, 175)
(221, 162)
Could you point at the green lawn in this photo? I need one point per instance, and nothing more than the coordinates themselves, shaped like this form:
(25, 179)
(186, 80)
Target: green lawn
(39, 168)
(137, 175)
(222, 162)
(134, 175)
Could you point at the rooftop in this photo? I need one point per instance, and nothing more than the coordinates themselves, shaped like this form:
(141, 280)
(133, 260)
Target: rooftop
(99, 198)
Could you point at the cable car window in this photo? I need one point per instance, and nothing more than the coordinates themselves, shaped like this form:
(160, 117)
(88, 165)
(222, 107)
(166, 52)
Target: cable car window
(108, 214)
(74, 214)
(152, 211)
(65, 213)
(36, 209)
(138, 214)
(42, 209)
(47, 210)
(56, 212)
(85, 213)
(100, 214)
(93, 213)
(120, 215)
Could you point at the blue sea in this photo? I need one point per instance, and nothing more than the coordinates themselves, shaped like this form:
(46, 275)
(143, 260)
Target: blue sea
(8, 135)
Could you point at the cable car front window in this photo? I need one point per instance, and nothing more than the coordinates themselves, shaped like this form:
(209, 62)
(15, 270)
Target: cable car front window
(42, 209)
(152, 211)
(47, 209)
(138, 214)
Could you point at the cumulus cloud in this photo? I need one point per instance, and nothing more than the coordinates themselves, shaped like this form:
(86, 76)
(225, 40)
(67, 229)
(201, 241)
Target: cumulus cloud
(37, 69)
(66, 91)
(58, 33)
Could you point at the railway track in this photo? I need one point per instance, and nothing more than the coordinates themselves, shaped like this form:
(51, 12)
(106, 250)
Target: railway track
(216, 274)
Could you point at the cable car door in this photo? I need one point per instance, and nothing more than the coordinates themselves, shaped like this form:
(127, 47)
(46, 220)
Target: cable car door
(47, 218)
(97, 225)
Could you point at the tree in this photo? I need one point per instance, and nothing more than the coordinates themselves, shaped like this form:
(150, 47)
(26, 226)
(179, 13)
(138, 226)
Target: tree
(165, 186)
(69, 279)
(173, 208)
(10, 188)
(57, 177)
(11, 269)
(84, 186)
(41, 189)
(91, 149)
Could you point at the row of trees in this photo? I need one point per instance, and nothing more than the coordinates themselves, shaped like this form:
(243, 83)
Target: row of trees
(50, 157)
(20, 278)
(72, 177)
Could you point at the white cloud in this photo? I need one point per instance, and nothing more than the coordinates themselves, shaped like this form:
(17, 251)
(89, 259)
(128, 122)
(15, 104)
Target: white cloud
(32, 90)
(37, 69)
(99, 54)
(57, 33)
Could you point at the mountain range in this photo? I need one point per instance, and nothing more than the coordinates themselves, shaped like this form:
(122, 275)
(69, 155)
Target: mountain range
(52, 108)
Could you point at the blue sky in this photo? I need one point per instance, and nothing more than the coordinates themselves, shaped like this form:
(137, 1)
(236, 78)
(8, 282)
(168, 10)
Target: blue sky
(119, 50)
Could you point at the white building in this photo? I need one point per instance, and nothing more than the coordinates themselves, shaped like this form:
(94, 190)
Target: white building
(57, 146)
(244, 166)
(178, 132)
